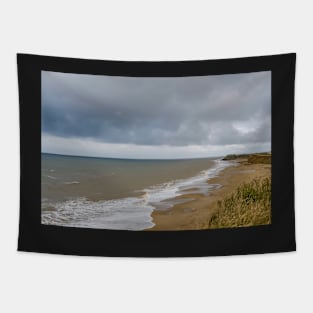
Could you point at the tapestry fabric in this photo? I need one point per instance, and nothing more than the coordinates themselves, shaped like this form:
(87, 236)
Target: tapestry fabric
(156, 159)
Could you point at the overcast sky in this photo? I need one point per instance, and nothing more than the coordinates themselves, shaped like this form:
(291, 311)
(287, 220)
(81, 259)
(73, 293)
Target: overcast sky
(176, 117)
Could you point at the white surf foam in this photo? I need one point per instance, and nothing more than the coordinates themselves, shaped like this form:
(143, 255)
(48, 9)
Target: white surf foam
(119, 214)
(195, 184)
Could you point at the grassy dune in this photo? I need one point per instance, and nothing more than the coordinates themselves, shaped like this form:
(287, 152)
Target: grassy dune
(250, 205)
(260, 159)
(255, 158)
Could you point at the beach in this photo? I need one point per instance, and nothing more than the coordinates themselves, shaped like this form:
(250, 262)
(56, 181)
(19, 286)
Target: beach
(195, 214)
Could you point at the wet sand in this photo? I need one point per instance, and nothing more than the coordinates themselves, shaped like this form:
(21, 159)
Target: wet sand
(195, 214)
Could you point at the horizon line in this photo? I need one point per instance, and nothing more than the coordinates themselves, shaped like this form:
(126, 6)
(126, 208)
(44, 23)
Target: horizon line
(119, 158)
(153, 159)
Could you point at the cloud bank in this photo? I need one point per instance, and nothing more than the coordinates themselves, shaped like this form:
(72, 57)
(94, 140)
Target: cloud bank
(175, 117)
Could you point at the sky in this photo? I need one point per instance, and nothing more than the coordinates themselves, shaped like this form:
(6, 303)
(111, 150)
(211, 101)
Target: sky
(155, 118)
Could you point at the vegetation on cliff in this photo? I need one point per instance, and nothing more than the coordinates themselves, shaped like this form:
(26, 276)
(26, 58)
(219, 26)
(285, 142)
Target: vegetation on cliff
(250, 205)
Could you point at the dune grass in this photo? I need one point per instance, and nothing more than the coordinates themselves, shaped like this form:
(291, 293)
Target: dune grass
(250, 205)
(252, 158)
(260, 159)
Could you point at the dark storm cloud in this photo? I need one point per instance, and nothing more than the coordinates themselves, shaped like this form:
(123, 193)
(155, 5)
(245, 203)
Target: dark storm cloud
(207, 110)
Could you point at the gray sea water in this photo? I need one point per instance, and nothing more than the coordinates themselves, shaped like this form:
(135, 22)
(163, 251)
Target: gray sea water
(117, 193)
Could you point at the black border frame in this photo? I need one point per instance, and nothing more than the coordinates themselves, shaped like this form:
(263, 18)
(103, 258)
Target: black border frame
(277, 237)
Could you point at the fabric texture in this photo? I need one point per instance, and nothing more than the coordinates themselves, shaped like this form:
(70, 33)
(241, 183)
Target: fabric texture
(156, 159)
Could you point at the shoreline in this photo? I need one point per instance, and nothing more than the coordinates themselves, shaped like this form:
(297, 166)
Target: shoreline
(195, 213)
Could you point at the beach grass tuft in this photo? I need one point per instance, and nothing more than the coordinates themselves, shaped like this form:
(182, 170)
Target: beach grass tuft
(250, 205)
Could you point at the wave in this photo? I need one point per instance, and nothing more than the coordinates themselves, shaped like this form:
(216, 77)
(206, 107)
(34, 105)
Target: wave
(72, 182)
(131, 213)
(51, 177)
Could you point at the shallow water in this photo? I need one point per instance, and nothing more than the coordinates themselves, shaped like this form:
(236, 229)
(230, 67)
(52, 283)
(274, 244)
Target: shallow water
(115, 193)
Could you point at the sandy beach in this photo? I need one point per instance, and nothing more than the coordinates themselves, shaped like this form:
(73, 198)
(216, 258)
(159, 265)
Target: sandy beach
(195, 214)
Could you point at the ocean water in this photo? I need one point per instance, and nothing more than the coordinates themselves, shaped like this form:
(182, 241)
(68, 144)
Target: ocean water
(116, 193)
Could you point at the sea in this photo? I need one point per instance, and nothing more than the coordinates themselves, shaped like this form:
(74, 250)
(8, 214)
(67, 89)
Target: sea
(119, 194)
